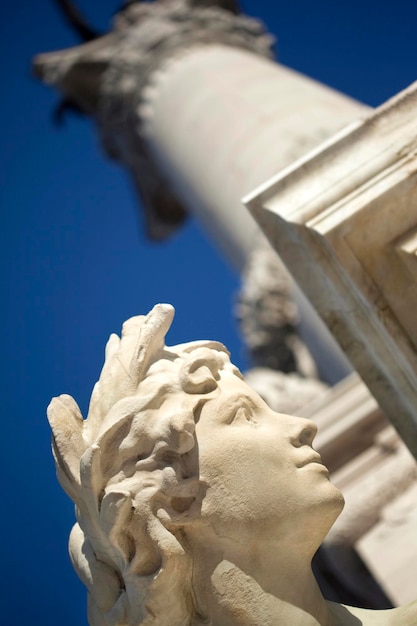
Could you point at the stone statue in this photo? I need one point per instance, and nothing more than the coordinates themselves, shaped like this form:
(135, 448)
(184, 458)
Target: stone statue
(195, 502)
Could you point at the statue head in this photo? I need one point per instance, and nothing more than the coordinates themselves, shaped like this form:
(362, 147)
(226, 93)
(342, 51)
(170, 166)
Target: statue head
(176, 447)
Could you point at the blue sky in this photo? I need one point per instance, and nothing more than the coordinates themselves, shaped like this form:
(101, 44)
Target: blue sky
(75, 262)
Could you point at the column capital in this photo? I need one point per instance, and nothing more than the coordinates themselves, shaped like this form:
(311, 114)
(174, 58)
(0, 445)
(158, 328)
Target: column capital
(106, 78)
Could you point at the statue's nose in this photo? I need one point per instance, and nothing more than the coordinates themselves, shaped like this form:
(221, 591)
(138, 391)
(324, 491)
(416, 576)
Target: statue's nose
(304, 432)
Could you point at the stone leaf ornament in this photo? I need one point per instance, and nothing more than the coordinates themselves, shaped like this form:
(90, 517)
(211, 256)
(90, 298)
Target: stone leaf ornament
(114, 466)
(195, 502)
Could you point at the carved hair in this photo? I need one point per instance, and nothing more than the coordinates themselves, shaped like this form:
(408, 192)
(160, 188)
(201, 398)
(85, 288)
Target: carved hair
(132, 470)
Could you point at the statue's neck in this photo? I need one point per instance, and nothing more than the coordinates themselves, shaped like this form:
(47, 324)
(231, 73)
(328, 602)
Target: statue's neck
(254, 591)
(228, 594)
(240, 601)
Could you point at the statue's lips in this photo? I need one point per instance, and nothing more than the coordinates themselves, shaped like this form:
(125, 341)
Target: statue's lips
(314, 459)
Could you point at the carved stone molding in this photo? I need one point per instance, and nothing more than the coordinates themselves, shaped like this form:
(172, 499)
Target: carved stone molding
(394, 534)
(343, 221)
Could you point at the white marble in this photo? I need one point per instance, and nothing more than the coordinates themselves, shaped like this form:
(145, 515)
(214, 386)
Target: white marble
(195, 502)
(343, 220)
(395, 531)
(188, 100)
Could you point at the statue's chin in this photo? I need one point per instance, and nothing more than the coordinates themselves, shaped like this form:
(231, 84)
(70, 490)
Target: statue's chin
(334, 506)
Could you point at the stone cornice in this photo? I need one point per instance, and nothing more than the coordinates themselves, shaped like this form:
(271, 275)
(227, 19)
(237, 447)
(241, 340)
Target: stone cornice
(343, 220)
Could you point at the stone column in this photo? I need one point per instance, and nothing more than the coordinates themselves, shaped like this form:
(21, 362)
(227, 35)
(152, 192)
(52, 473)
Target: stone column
(188, 99)
(220, 120)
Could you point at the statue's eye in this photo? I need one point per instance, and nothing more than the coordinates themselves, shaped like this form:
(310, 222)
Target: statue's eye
(244, 413)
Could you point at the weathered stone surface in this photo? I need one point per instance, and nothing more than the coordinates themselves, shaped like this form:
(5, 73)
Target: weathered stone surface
(195, 502)
(186, 97)
(342, 220)
(394, 535)
(109, 78)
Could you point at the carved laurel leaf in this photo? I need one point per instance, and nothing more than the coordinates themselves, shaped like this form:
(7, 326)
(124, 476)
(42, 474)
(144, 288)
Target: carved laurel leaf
(114, 520)
(97, 576)
(151, 339)
(127, 360)
(68, 444)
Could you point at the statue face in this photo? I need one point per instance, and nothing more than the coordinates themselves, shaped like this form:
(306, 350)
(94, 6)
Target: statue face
(263, 476)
